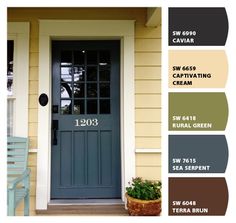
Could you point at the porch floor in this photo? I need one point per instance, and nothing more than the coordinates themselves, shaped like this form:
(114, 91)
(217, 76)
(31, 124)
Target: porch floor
(84, 210)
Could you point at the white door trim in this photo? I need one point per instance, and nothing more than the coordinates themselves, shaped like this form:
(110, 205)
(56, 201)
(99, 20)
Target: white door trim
(85, 29)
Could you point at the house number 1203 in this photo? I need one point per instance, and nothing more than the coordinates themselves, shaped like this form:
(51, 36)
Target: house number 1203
(86, 122)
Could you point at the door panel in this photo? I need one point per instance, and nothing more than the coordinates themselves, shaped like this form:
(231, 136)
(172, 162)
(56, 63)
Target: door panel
(86, 119)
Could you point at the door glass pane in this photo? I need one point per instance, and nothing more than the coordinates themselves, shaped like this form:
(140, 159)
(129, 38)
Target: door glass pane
(104, 73)
(104, 57)
(91, 106)
(78, 90)
(104, 90)
(66, 90)
(79, 107)
(91, 73)
(105, 107)
(10, 52)
(78, 74)
(66, 74)
(66, 107)
(79, 57)
(91, 90)
(66, 58)
(92, 57)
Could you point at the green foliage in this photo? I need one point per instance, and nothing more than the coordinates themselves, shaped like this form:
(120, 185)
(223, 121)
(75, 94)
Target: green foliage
(144, 189)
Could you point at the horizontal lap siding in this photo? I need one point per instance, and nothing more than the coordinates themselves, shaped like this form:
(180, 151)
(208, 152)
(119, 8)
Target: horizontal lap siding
(33, 83)
(148, 100)
(148, 166)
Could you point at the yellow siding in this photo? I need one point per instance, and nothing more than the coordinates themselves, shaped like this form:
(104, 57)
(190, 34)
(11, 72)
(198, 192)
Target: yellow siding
(33, 87)
(32, 160)
(148, 87)
(148, 115)
(34, 45)
(148, 129)
(150, 45)
(147, 80)
(33, 115)
(148, 159)
(33, 83)
(148, 101)
(33, 101)
(33, 74)
(147, 73)
(149, 173)
(32, 129)
(34, 56)
(33, 142)
(147, 59)
(147, 142)
(148, 166)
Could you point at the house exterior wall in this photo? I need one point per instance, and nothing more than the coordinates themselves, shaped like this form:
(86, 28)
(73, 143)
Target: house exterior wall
(147, 82)
(148, 100)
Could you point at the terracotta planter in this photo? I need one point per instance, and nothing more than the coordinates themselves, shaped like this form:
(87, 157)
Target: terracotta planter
(138, 207)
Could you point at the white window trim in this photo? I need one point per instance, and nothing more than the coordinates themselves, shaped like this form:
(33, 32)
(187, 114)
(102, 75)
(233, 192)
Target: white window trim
(85, 29)
(19, 32)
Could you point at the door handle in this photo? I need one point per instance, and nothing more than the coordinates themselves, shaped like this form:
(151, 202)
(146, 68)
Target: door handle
(54, 133)
(54, 141)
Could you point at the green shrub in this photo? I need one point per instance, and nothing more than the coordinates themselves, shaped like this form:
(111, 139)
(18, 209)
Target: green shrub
(144, 189)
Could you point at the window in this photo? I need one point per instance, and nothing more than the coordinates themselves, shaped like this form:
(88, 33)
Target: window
(85, 82)
(17, 78)
(10, 91)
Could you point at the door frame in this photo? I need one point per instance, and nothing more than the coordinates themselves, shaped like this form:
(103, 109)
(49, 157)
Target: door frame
(103, 126)
(122, 30)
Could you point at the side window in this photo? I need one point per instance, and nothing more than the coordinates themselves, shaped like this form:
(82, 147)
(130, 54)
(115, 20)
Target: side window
(17, 78)
(10, 90)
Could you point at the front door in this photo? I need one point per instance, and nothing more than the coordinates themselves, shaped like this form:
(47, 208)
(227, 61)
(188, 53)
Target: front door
(85, 158)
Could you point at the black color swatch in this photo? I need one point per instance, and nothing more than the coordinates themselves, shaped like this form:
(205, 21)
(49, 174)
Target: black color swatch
(210, 26)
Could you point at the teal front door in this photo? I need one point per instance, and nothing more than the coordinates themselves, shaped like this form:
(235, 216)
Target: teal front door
(85, 156)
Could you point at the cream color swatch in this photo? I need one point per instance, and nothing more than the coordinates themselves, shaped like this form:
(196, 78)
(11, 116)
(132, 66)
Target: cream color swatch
(197, 68)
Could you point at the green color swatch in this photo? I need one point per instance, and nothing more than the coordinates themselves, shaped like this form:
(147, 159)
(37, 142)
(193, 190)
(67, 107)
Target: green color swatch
(198, 111)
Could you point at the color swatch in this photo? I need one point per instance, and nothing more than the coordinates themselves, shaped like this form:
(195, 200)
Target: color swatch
(197, 26)
(197, 111)
(198, 196)
(197, 69)
(198, 154)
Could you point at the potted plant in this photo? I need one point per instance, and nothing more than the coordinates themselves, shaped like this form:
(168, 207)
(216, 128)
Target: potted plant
(143, 197)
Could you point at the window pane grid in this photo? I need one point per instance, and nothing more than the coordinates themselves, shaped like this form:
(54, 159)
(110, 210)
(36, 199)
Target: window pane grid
(85, 82)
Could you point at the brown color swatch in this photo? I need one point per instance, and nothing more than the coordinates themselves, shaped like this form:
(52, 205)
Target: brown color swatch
(197, 196)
